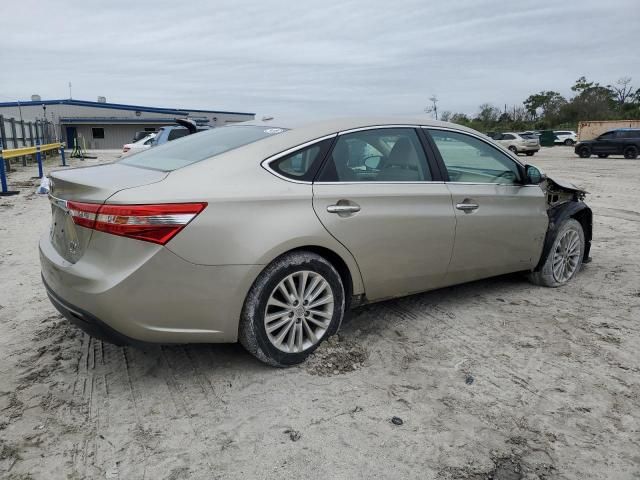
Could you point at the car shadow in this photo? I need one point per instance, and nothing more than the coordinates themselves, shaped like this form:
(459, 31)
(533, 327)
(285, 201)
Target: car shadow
(367, 318)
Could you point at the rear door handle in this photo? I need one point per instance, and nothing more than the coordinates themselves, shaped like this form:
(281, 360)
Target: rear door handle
(467, 206)
(343, 208)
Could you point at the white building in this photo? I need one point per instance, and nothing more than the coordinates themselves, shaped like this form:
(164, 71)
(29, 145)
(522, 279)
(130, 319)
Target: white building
(102, 125)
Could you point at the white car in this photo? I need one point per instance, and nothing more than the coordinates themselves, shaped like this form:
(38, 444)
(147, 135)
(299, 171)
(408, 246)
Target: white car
(566, 137)
(518, 142)
(139, 146)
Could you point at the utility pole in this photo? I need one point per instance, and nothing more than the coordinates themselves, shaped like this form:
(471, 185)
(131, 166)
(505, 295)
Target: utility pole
(434, 106)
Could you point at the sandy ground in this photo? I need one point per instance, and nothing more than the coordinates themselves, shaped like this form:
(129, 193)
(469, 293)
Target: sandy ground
(494, 379)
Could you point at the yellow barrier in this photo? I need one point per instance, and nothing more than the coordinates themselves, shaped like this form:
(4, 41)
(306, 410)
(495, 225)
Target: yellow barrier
(19, 152)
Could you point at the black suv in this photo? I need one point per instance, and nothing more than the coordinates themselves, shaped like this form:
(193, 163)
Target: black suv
(623, 141)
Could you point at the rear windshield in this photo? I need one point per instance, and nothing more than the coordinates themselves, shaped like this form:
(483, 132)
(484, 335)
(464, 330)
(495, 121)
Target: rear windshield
(199, 146)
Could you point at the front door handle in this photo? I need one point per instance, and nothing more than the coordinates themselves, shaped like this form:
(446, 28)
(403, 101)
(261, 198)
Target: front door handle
(467, 206)
(343, 208)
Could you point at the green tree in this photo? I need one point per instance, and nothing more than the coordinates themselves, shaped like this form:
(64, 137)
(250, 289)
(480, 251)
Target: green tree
(488, 114)
(460, 119)
(592, 102)
(582, 84)
(547, 102)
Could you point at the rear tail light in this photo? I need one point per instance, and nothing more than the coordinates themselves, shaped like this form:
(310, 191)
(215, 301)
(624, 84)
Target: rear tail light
(150, 223)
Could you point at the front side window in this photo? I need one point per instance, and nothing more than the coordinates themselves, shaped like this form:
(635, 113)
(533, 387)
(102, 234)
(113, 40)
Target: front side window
(302, 164)
(508, 136)
(468, 159)
(377, 155)
(607, 136)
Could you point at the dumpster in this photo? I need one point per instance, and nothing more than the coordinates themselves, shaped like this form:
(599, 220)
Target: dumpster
(547, 138)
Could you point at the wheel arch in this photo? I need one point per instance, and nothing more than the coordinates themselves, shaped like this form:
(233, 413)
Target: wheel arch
(338, 263)
(577, 210)
(343, 262)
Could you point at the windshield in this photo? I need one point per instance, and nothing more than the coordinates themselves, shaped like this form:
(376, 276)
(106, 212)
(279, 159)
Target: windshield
(197, 147)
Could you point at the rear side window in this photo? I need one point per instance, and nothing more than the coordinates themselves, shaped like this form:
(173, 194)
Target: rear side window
(200, 146)
(631, 134)
(302, 164)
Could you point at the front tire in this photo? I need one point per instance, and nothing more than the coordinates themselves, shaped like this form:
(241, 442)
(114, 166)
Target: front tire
(568, 142)
(530, 154)
(293, 306)
(513, 149)
(564, 259)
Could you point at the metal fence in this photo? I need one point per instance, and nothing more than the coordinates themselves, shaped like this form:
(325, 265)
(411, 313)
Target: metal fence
(20, 133)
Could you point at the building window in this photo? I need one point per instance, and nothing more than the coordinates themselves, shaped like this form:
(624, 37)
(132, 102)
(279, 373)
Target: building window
(97, 132)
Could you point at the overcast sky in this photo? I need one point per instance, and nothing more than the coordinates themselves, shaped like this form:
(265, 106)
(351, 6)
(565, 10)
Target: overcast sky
(314, 57)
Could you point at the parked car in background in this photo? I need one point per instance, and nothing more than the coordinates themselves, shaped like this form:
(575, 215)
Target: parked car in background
(565, 137)
(183, 128)
(622, 141)
(535, 133)
(138, 146)
(141, 134)
(517, 143)
(268, 233)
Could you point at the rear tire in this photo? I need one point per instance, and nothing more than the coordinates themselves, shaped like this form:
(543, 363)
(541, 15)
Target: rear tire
(631, 152)
(568, 142)
(282, 321)
(584, 152)
(603, 155)
(564, 258)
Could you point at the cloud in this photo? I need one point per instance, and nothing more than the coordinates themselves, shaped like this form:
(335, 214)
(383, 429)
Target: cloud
(314, 58)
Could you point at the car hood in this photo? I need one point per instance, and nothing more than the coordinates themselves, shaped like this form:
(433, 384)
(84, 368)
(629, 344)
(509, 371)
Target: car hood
(565, 185)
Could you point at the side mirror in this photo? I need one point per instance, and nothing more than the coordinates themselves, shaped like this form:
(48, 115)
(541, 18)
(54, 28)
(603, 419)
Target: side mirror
(533, 175)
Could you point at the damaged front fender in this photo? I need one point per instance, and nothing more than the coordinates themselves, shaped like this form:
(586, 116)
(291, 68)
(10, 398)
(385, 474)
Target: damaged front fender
(564, 201)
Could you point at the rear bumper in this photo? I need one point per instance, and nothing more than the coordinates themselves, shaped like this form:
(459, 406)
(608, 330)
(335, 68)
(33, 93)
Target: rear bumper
(87, 322)
(150, 296)
(528, 148)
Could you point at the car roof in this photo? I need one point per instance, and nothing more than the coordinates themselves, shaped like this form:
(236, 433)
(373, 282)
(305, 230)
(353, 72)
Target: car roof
(318, 128)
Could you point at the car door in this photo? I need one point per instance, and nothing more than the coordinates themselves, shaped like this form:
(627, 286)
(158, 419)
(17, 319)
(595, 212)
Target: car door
(605, 143)
(500, 223)
(618, 142)
(377, 195)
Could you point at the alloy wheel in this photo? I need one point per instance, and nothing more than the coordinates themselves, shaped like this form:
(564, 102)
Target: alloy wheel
(566, 256)
(299, 311)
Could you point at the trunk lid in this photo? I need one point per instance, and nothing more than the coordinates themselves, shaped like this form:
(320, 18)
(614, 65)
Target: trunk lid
(93, 184)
